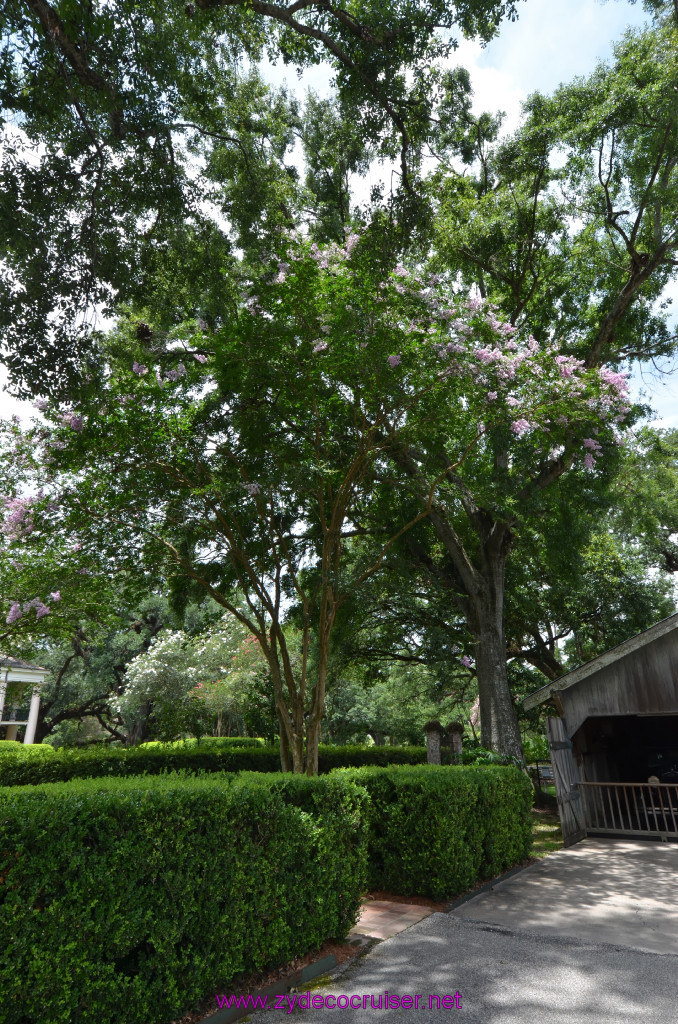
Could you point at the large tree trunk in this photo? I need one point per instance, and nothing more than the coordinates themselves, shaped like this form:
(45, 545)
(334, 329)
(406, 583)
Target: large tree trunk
(285, 755)
(498, 718)
(140, 731)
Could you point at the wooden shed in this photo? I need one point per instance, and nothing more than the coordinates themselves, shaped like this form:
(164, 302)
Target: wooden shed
(614, 748)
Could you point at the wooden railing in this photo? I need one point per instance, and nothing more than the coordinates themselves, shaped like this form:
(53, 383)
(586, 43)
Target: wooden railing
(634, 808)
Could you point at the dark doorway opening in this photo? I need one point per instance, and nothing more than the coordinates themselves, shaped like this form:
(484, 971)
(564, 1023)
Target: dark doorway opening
(628, 748)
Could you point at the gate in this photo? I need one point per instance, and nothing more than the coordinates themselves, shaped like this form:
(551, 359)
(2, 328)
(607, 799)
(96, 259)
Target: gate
(566, 778)
(631, 808)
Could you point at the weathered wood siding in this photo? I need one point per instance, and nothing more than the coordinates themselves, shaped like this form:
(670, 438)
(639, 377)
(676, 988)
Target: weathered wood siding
(645, 681)
(566, 778)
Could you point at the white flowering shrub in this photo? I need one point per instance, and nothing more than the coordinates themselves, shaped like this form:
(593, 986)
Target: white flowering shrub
(189, 683)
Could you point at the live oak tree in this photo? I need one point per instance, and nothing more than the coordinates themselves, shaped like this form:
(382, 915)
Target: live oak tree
(128, 129)
(570, 223)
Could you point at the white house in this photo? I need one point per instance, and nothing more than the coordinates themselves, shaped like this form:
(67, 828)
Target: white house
(14, 671)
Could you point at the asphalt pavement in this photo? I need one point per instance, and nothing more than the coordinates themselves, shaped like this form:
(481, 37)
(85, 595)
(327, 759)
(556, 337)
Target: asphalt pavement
(588, 935)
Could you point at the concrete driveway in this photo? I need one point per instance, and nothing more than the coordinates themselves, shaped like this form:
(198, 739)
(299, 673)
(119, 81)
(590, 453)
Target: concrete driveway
(589, 935)
(612, 891)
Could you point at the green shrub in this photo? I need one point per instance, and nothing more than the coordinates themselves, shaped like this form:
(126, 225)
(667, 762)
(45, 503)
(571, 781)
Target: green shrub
(475, 754)
(330, 758)
(15, 748)
(210, 742)
(102, 762)
(434, 831)
(126, 900)
(536, 748)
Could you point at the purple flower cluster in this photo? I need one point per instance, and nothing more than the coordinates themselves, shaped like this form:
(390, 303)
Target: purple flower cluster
(18, 519)
(17, 610)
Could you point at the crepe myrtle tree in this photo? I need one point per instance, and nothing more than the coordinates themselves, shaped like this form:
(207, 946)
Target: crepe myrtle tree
(249, 456)
(527, 414)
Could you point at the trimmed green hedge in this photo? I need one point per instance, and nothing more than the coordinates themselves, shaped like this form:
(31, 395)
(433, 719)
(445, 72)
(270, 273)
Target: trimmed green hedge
(207, 742)
(125, 900)
(15, 748)
(23, 769)
(434, 831)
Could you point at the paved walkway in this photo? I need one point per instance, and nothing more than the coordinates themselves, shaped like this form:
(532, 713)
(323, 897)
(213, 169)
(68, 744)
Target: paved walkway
(587, 936)
(381, 919)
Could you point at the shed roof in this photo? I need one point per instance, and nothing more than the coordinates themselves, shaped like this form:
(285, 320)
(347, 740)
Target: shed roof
(659, 629)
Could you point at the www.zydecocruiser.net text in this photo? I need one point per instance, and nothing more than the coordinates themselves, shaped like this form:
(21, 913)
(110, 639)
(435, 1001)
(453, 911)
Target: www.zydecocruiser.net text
(307, 1000)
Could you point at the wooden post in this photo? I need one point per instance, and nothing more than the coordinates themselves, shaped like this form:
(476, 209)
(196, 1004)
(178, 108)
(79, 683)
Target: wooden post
(455, 733)
(434, 735)
(566, 778)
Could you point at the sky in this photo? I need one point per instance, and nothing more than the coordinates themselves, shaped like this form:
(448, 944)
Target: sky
(551, 42)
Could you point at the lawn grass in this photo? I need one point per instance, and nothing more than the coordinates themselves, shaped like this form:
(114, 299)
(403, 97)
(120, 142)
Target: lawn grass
(546, 834)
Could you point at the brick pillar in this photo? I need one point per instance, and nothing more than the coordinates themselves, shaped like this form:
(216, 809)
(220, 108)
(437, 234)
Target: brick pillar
(434, 735)
(455, 733)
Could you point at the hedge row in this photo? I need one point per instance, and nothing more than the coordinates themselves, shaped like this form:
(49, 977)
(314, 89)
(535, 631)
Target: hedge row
(434, 831)
(16, 749)
(127, 900)
(206, 742)
(101, 762)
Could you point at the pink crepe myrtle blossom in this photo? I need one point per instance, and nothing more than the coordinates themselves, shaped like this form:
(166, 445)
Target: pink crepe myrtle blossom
(55, 595)
(394, 361)
(512, 401)
(252, 489)
(199, 357)
(520, 427)
(567, 365)
(15, 613)
(41, 609)
(41, 404)
(139, 369)
(619, 381)
(590, 442)
(589, 461)
(320, 346)
(76, 423)
(491, 396)
(18, 521)
(466, 661)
